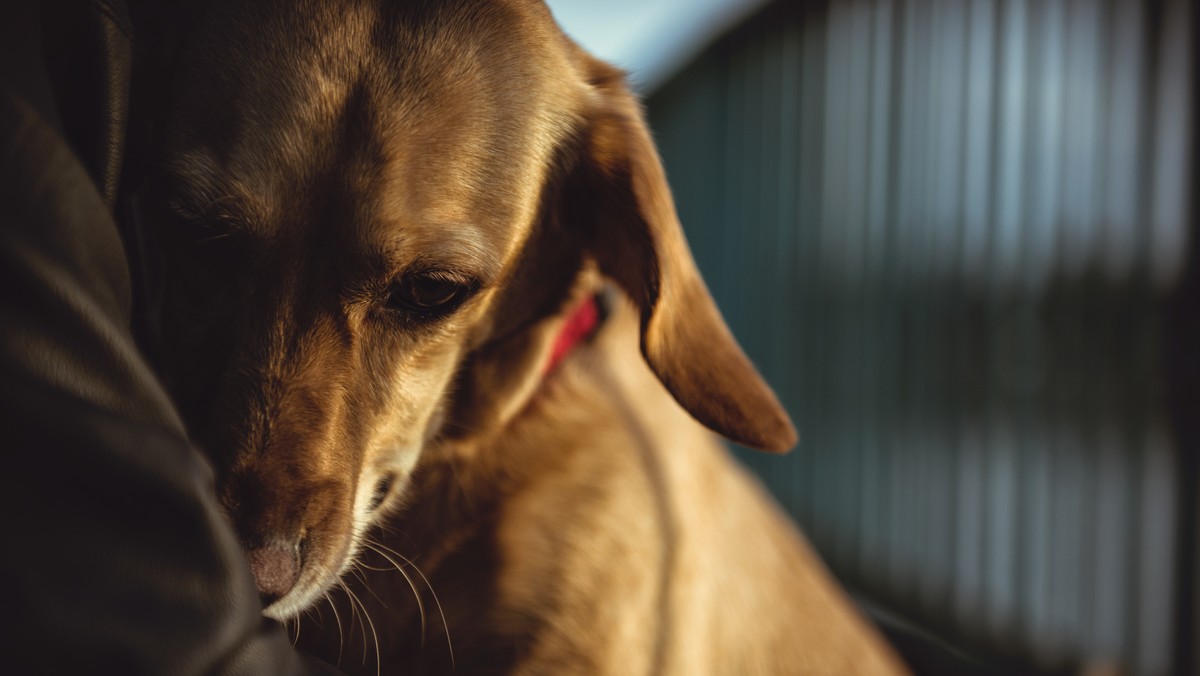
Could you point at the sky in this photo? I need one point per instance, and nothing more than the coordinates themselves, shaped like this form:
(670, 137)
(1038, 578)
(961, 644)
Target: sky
(650, 39)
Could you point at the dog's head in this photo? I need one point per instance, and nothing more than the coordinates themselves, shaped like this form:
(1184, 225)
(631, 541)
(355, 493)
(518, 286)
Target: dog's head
(372, 214)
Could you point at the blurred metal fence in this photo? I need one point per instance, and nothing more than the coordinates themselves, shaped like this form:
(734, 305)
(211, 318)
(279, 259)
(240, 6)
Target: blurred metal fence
(947, 232)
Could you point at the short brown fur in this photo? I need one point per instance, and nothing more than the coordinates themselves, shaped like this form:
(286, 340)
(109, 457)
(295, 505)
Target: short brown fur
(315, 161)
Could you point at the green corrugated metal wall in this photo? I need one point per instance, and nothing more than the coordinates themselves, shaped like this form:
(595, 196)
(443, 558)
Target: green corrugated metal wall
(947, 232)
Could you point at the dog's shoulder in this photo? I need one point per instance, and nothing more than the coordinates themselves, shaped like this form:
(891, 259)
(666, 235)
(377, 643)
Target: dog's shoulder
(644, 546)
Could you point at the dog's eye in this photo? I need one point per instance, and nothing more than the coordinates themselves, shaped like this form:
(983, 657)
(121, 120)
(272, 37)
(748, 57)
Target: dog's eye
(428, 295)
(381, 492)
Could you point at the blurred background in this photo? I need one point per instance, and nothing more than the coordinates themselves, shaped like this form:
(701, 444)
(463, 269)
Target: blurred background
(959, 239)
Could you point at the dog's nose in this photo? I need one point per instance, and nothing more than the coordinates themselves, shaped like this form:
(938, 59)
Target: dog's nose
(275, 569)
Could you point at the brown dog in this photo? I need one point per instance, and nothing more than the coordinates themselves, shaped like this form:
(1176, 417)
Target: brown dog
(385, 225)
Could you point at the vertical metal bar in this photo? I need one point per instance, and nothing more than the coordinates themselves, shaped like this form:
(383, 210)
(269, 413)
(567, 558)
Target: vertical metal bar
(1063, 344)
(784, 337)
(1183, 334)
(797, 252)
(1174, 130)
(832, 224)
(978, 108)
(1159, 506)
(897, 442)
(769, 159)
(1035, 451)
(1001, 544)
(947, 404)
(751, 221)
(1156, 529)
(808, 247)
(873, 496)
(857, 255)
(813, 200)
(732, 187)
(918, 337)
(892, 375)
(1079, 364)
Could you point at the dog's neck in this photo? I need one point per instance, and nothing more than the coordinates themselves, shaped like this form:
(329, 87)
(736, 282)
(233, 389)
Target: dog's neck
(581, 324)
(461, 492)
(478, 467)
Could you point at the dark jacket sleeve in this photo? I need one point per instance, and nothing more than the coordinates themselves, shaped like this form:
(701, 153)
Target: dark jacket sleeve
(115, 557)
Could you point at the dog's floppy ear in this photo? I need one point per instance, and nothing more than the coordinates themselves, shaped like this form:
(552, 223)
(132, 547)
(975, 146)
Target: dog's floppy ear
(622, 198)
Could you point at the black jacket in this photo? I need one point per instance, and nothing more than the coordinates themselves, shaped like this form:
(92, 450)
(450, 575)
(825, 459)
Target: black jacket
(115, 558)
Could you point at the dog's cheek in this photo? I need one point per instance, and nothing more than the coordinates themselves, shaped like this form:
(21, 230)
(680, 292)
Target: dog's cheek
(409, 393)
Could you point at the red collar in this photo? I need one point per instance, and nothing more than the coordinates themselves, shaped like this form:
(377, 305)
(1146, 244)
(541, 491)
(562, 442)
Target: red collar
(580, 326)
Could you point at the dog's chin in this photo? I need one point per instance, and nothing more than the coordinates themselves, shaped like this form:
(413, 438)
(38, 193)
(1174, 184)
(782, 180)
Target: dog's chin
(341, 546)
(317, 578)
(290, 606)
(312, 586)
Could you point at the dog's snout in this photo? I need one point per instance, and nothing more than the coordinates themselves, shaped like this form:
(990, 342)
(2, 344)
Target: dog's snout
(276, 568)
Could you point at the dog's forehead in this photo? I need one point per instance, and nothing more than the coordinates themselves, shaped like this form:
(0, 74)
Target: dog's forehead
(462, 161)
(427, 118)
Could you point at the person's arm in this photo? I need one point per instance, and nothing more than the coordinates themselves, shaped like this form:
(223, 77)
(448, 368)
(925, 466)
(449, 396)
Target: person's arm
(115, 557)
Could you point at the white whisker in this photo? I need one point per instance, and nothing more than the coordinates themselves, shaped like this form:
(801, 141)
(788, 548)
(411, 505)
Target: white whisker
(432, 591)
(338, 618)
(356, 570)
(375, 547)
(374, 636)
(353, 616)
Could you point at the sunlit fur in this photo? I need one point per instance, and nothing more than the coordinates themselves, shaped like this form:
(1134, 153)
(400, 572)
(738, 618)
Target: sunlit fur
(312, 154)
(323, 152)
